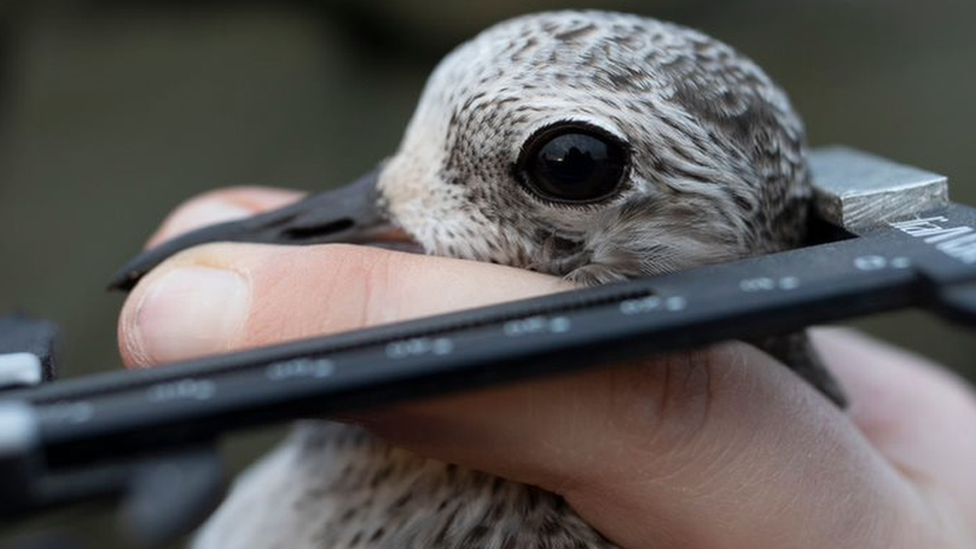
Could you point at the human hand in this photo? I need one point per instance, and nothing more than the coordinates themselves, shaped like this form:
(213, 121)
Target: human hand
(717, 448)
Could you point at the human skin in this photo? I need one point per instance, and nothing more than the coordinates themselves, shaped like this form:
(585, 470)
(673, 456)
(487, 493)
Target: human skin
(717, 448)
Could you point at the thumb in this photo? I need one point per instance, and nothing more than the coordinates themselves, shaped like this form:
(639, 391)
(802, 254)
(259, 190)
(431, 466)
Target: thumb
(225, 297)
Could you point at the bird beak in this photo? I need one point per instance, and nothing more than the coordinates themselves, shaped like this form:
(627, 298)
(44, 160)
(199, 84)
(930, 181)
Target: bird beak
(352, 214)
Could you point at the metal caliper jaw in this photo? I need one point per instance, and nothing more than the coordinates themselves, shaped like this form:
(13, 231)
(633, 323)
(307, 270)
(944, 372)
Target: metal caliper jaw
(166, 490)
(857, 191)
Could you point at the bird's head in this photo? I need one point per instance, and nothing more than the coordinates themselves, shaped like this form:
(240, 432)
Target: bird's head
(592, 145)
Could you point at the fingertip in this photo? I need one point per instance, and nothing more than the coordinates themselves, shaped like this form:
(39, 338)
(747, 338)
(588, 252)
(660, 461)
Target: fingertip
(185, 312)
(890, 387)
(221, 205)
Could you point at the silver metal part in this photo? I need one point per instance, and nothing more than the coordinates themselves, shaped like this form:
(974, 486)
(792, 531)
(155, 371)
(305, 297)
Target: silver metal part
(19, 455)
(856, 190)
(18, 430)
(20, 369)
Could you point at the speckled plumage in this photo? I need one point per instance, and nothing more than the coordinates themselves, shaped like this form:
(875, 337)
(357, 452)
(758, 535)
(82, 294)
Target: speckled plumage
(718, 167)
(717, 172)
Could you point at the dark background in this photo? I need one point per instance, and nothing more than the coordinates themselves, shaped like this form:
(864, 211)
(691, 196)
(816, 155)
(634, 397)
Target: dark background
(111, 113)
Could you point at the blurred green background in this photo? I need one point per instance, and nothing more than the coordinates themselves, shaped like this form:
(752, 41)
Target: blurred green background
(111, 113)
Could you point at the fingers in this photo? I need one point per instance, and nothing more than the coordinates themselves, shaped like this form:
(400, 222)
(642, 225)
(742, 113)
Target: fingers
(717, 448)
(200, 302)
(711, 449)
(221, 205)
(223, 297)
(918, 415)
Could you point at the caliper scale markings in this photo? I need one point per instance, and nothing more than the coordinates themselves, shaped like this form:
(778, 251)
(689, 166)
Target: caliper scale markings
(916, 258)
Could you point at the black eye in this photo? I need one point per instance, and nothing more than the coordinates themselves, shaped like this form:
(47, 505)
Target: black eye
(573, 163)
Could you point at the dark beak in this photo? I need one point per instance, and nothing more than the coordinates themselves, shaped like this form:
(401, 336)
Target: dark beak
(351, 214)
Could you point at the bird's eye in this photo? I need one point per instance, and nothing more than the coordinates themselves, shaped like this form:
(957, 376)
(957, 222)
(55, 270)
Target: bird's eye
(573, 163)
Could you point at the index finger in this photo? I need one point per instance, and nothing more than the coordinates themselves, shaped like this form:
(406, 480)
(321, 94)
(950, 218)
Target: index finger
(221, 205)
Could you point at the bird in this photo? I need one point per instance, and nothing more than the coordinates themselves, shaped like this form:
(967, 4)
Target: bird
(591, 145)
